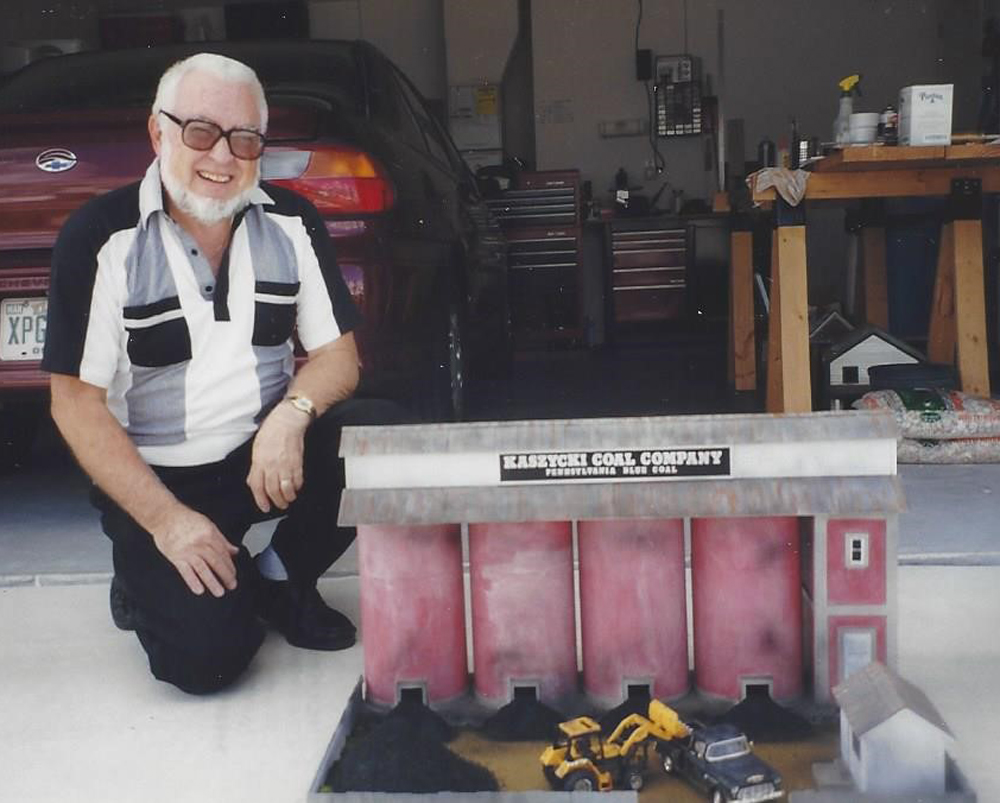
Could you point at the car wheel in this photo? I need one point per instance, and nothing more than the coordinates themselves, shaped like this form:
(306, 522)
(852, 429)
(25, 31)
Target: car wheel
(635, 780)
(445, 396)
(579, 782)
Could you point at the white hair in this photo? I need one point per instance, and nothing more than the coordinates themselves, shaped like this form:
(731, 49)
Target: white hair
(221, 67)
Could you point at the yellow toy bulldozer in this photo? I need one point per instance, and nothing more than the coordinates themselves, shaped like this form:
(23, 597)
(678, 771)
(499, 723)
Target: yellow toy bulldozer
(581, 760)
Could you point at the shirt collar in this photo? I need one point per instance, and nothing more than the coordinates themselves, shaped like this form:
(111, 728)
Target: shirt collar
(151, 194)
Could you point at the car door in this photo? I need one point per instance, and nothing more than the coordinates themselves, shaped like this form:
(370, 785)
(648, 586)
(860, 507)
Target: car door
(416, 241)
(480, 244)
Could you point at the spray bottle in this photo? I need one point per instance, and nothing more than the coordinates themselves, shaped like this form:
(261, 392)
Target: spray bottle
(849, 87)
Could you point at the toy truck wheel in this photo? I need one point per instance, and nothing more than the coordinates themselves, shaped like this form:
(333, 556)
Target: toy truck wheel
(635, 780)
(579, 782)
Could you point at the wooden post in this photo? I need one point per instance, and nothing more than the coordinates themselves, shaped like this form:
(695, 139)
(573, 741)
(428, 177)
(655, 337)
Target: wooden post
(796, 384)
(958, 312)
(941, 334)
(742, 347)
(876, 286)
(970, 308)
(774, 373)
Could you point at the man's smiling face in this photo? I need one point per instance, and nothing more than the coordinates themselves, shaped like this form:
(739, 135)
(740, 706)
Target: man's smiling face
(209, 185)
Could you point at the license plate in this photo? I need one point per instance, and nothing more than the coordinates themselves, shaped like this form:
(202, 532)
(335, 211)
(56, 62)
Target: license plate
(22, 328)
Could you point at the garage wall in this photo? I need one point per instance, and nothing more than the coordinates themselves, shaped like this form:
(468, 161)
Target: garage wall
(410, 32)
(781, 58)
(479, 36)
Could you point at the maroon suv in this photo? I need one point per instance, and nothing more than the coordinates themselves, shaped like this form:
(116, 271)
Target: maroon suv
(416, 244)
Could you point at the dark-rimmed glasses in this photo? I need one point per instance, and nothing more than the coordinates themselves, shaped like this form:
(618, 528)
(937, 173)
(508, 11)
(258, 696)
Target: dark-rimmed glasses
(201, 135)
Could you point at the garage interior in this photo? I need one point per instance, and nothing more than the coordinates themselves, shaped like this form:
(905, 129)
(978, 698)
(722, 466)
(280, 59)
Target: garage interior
(523, 91)
(540, 93)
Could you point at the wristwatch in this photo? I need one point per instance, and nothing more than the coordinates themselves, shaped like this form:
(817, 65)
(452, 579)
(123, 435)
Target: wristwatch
(303, 404)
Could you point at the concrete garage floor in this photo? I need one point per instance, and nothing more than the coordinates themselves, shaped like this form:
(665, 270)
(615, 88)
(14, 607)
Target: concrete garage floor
(81, 719)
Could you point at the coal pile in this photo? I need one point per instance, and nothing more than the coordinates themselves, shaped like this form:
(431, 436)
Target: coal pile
(524, 719)
(426, 724)
(763, 720)
(405, 752)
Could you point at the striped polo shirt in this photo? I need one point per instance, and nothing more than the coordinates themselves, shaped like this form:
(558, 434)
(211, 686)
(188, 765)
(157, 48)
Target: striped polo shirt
(191, 361)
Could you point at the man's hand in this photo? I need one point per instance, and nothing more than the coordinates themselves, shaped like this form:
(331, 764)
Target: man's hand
(276, 467)
(190, 541)
(199, 552)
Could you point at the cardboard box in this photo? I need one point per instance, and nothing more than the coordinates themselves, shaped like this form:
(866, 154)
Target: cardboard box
(925, 114)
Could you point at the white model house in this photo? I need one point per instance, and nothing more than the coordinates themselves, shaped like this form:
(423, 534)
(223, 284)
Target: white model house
(849, 358)
(892, 739)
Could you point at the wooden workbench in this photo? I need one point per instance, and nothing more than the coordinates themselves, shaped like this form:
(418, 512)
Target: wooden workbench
(958, 317)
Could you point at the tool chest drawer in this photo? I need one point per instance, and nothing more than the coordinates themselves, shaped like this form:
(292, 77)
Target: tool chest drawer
(648, 271)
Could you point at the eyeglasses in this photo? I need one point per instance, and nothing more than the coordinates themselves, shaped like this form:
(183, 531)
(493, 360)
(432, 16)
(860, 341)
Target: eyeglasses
(201, 135)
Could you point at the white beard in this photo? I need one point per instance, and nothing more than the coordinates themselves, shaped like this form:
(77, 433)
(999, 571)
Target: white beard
(204, 210)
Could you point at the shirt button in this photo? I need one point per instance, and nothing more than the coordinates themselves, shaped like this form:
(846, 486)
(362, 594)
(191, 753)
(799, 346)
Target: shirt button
(208, 288)
(194, 252)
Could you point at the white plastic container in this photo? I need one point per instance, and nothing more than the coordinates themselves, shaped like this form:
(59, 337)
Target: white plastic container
(863, 127)
(925, 114)
(841, 125)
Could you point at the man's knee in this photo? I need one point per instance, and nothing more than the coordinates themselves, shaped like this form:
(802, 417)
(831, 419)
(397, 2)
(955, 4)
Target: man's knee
(205, 666)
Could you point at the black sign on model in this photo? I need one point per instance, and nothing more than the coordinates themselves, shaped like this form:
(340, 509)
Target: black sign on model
(660, 464)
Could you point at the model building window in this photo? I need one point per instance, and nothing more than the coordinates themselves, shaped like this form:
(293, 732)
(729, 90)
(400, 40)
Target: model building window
(857, 650)
(857, 550)
(850, 375)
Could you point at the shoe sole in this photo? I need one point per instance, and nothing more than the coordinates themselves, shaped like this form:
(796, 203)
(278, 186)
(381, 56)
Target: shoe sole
(332, 646)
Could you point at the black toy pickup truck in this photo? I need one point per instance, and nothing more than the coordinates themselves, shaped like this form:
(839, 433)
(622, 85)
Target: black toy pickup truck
(718, 760)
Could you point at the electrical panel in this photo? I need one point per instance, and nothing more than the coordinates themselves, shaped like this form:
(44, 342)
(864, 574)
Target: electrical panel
(678, 96)
(676, 69)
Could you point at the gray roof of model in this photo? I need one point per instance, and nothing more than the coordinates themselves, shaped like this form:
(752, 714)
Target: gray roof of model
(874, 497)
(875, 694)
(857, 495)
(598, 433)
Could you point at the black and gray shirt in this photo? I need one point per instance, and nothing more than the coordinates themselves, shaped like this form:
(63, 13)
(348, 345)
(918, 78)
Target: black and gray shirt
(191, 362)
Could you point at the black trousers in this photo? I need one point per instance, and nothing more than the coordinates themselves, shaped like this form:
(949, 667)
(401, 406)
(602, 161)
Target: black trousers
(201, 643)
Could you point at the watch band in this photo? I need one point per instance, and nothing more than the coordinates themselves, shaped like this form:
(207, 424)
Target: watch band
(302, 404)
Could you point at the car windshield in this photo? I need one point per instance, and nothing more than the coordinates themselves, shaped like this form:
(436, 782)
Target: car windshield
(729, 748)
(129, 78)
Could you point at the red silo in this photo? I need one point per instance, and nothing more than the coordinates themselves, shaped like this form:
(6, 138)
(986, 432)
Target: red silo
(747, 605)
(632, 608)
(412, 611)
(523, 624)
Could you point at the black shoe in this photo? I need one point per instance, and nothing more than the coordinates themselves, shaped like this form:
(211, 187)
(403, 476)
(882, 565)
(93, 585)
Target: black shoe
(122, 612)
(303, 618)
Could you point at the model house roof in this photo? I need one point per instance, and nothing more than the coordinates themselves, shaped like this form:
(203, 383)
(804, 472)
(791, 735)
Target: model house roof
(875, 694)
(861, 334)
(829, 327)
